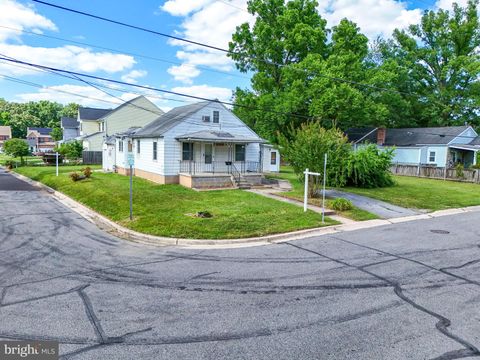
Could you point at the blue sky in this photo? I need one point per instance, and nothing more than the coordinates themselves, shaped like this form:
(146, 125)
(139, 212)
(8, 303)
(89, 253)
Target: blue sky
(179, 67)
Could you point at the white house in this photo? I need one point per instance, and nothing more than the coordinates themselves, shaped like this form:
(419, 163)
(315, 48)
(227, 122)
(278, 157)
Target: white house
(201, 145)
(435, 146)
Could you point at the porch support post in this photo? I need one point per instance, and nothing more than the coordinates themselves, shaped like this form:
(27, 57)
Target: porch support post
(213, 158)
(475, 157)
(260, 159)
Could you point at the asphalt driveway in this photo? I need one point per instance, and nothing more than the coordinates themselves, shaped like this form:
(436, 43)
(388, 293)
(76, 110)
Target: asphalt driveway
(405, 291)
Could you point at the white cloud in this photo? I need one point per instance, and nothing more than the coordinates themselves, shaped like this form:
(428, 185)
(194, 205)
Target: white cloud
(183, 7)
(133, 75)
(184, 73)
(448, 4)
(209, 22)
(206, 91)
(74, 93)
(66, 57)
(374, 17)
(19, 16)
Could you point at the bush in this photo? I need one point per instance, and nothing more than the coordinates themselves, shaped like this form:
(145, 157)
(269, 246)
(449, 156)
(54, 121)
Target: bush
(341, 204)
(369, 167)
(70, 150)
(459, 171)
(87, 172)
(9, 164)
(75, 176)
(306, 147)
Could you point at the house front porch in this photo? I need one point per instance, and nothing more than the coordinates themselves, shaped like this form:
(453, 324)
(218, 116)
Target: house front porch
(220, 174)
(220, 160)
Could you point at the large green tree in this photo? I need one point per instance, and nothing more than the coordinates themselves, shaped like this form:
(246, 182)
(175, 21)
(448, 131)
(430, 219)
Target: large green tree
(301, 73)
(439, 61)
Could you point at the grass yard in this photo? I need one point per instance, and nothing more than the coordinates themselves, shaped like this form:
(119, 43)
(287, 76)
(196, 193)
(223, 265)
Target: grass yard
(286, 173)
(422, 193)
(28, 159)
(167, 210)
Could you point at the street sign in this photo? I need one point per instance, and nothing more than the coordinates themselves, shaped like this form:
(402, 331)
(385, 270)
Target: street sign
(131, 159)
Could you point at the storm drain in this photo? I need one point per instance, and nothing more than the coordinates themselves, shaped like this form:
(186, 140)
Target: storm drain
(435, 231)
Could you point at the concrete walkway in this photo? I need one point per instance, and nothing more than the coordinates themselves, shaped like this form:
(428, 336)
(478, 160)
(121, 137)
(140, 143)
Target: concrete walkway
(272, 194)
(377, 207)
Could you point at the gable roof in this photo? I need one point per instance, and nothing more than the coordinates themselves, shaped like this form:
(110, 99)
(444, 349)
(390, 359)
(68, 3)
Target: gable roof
(159, 111)
(88, 113)
(69, 123)
(409, 136)
(6, 130)
(170, 119)
(41, 131)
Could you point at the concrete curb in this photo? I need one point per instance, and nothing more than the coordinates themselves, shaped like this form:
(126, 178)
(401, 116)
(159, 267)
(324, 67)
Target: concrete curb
(118, 230)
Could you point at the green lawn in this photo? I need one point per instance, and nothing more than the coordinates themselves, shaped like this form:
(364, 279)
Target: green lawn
(167, 210)
(428, 194)
(286, 173)
(27, 159)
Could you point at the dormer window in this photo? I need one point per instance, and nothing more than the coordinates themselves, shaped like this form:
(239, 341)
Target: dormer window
(206, 118)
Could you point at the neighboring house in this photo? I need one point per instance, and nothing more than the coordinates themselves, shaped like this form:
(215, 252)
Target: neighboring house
(201, 145)
(70, 127)
(96, 125)
(39, 139)
(435, 146)
(5, 134)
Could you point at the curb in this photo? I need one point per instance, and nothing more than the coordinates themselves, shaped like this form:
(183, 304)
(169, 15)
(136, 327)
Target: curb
(118, 230)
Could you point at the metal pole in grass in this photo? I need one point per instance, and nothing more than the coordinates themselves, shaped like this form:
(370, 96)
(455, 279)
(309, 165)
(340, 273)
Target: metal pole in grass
(324, 185)
(305, 194)
(56, 162)
(131, 192)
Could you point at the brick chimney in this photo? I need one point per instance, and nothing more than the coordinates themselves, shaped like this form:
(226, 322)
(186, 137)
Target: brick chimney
(381, 135)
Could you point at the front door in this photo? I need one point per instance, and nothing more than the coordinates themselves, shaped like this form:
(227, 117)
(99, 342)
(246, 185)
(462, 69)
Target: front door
(208, 153)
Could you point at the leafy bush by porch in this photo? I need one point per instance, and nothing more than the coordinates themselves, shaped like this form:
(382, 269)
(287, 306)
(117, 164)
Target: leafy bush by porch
(166, 210)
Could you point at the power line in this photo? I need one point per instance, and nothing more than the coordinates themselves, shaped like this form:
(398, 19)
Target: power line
(173, 37)
(149, 87)
(233, 6)
(123, 52)
(117, 22)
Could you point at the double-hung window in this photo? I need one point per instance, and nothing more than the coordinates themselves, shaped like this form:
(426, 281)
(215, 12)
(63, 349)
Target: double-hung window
(120, 145)
(138, 146)
(187, 151)
(273, 158)
(154, 150)
(432, 156)
(216, 117)
(239, 152)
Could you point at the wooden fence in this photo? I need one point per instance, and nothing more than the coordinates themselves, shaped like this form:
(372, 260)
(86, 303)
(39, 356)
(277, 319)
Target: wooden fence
(434, 172)
(92, 157)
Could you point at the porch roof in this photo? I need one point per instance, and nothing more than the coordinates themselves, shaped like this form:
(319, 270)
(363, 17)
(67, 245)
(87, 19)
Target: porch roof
(465, 147)
(217, 137)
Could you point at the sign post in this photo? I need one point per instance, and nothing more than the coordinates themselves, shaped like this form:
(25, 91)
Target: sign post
(56, 162)
(324, 185)
(131, 163)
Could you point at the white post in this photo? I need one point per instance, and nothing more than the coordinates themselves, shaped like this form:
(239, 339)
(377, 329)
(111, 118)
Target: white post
(56, 162)
(324, 185)
(305, 195)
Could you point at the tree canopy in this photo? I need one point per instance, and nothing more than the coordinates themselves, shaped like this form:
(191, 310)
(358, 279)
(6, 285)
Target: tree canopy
(33, 114)
(427, 75)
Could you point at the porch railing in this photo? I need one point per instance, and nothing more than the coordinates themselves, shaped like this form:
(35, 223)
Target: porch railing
(215, 167)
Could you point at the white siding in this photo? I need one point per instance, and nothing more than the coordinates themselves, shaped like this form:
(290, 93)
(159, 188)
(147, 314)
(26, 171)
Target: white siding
(406, 155)
(228, 122)
(144, 160)
(94, 143)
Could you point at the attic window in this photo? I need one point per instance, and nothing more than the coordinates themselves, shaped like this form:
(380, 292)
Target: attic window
(206, 118)
(216, 117)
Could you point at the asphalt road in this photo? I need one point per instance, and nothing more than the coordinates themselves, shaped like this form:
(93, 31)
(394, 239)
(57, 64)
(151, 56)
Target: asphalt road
(406, 291)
